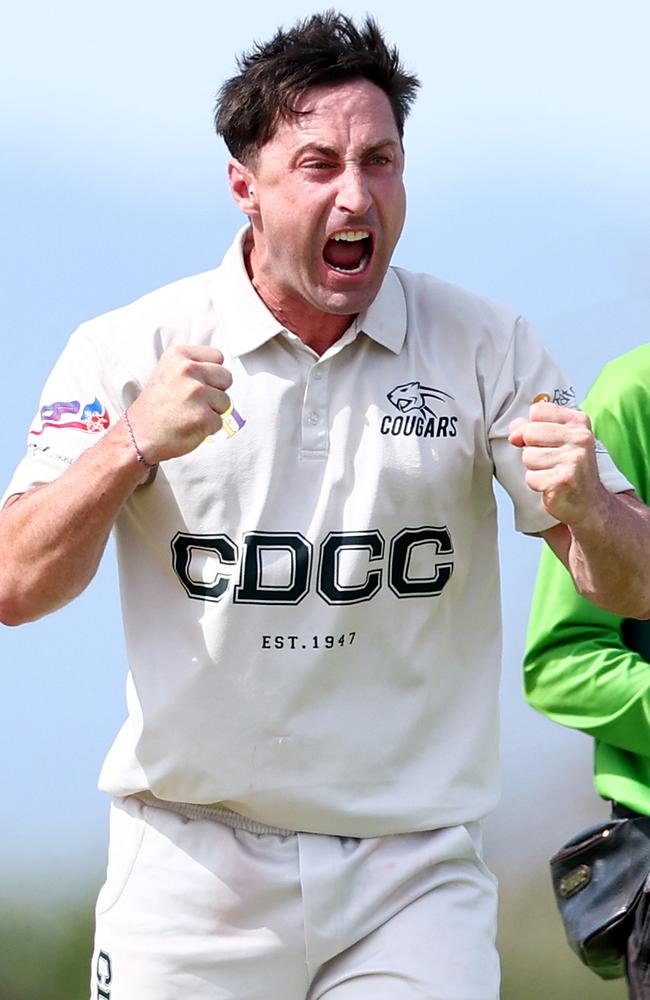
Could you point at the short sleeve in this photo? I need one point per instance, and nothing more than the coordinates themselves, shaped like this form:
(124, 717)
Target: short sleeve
(84, 395)
(528, 374)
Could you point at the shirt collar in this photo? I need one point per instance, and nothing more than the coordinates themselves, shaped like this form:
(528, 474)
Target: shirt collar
(245, 322)
(385, 318)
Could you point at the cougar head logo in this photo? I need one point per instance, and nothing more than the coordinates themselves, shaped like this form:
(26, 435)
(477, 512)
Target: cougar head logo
(413, 396)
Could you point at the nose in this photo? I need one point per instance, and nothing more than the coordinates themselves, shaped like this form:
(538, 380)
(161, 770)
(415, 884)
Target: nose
(353, 195)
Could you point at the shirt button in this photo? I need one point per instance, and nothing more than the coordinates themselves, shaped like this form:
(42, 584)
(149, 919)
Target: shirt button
(317, 374)
(312, 418)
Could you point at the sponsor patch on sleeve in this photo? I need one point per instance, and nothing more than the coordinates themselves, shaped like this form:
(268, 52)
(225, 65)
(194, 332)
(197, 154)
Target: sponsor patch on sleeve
(561, 397)
(71, 415)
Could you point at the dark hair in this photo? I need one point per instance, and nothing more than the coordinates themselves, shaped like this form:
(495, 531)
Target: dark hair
(325, 48)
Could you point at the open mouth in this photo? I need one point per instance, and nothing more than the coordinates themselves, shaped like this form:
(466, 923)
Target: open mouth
(348, 251)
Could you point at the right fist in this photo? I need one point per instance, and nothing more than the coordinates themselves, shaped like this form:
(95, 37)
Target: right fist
(181, 403)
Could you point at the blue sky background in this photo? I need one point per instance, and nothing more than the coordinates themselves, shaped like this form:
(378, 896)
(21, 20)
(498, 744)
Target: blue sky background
(528, 158)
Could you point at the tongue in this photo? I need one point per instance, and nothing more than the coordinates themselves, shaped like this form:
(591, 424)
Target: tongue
(339, 253)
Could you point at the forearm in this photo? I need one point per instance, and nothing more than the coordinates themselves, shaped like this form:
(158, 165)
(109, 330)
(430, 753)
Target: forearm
(52, 538)
(607, 554)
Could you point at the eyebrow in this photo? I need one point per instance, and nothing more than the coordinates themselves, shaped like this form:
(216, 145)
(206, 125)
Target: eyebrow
(329, 151)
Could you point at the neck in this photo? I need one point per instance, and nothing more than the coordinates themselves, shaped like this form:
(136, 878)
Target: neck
(317, 330)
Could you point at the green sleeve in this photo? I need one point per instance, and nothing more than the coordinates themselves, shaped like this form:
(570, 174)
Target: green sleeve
(577, 668)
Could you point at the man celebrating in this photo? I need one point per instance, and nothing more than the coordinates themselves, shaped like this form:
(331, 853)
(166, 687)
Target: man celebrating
(296, 452)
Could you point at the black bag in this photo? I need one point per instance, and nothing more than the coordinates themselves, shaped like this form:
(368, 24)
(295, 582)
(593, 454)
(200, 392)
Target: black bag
(598, 879)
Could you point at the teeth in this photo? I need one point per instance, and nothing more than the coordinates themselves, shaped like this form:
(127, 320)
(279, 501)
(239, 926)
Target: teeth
(352, 270)
(351, 235)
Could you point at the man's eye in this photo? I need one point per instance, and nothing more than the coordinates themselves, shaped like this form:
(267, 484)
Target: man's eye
(379, 161)
(318, 165)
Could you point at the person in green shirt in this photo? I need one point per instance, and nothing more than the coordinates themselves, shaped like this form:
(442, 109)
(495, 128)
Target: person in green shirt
(588, 669)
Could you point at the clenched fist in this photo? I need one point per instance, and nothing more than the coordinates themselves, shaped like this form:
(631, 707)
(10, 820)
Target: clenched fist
(559, 454)
(181, 403)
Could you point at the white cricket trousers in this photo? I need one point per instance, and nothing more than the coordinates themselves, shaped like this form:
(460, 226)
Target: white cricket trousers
(194, 910)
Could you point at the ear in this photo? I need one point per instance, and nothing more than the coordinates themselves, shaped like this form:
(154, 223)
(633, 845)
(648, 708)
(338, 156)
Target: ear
(242, 187)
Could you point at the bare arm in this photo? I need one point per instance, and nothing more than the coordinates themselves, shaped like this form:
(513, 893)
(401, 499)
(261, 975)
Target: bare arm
(608, 558)
(603, 538)
(52, 538)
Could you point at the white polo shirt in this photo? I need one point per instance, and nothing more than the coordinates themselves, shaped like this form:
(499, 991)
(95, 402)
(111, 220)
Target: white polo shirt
(311, 597)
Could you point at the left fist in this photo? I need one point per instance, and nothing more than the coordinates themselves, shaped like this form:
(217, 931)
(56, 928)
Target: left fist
(559, 454)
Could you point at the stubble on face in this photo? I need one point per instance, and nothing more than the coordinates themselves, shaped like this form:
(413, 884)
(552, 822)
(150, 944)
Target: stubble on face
(328, 208)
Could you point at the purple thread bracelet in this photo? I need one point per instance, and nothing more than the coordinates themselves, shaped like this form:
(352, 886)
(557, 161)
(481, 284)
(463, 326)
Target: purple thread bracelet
(141, 459)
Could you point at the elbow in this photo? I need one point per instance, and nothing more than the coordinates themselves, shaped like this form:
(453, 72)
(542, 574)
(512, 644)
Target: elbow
(625, 596)
(643, 602)
(11, 621)
(21, 603)
(14, 594)
(624, 603)
(12, 613)
(26, 600)
(10, 616)
(9, 612)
